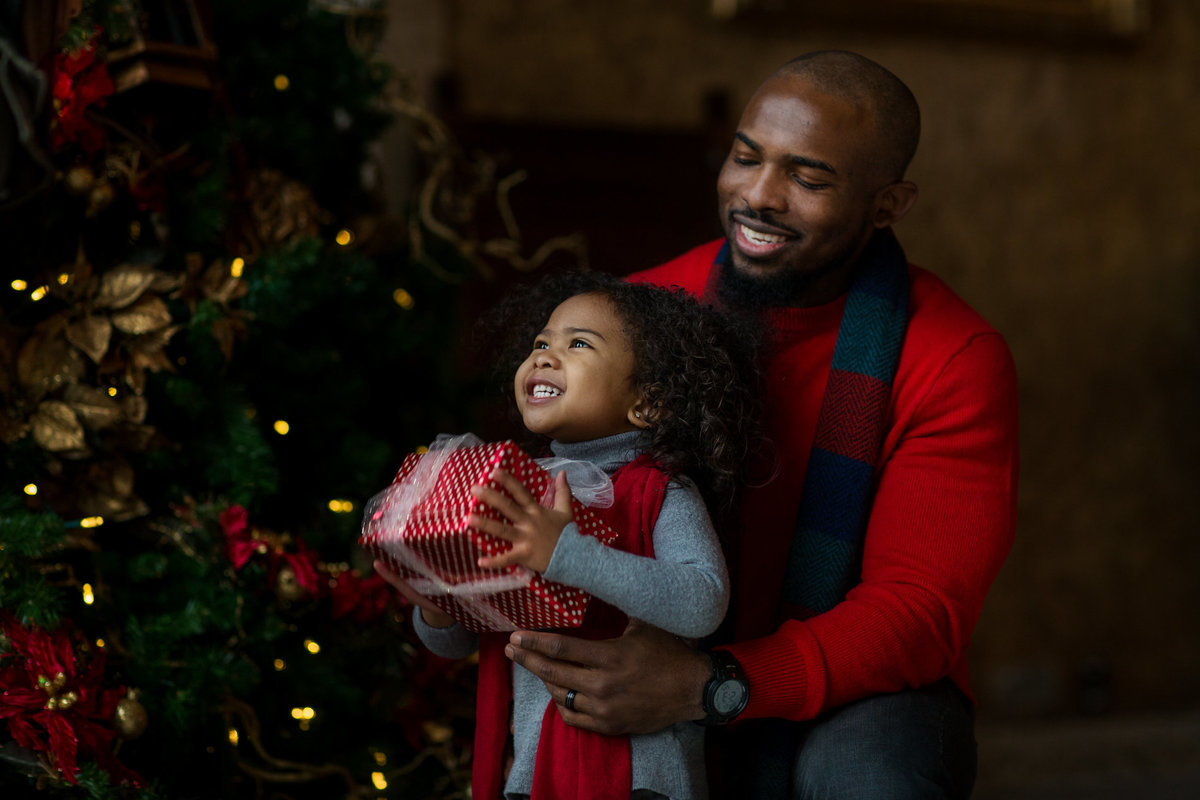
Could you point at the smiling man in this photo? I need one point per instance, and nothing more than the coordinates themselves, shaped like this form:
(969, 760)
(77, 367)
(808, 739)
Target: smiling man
(861, 567)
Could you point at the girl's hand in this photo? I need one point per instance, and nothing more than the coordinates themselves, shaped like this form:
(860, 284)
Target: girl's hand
(532, 528)
(433, 616)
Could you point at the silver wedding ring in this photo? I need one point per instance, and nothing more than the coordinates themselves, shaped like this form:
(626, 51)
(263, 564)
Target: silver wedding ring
(569, 702)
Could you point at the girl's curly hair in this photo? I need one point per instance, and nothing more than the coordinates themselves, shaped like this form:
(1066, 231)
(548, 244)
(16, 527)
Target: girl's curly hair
(696, 367)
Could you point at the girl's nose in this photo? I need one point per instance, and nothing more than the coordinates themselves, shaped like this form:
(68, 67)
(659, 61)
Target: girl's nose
(544, 358)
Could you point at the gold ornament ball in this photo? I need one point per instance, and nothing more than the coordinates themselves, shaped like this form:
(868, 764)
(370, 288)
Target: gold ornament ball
(79, 180)
(130, 718)
(287, 586)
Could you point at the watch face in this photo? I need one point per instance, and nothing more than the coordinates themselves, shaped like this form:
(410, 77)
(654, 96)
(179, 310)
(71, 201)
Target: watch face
(728, 697)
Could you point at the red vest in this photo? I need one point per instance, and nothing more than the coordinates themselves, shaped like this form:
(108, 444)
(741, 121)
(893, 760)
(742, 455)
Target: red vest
(571, 763)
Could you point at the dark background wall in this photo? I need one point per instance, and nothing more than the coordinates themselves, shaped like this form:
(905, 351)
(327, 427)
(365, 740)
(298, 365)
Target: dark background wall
(1059, 178)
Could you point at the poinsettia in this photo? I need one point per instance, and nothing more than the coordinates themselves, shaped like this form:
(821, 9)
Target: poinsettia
(244, 542)
(53, 702)
(80, 79)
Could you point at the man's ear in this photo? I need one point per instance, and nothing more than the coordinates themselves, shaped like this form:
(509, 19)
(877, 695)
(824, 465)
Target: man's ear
(639, 416)
(894, 201)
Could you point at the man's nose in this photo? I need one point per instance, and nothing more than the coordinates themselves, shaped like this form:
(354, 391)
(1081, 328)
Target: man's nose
(765, 191)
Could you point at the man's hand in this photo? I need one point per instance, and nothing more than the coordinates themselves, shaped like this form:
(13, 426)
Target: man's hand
(640, 682)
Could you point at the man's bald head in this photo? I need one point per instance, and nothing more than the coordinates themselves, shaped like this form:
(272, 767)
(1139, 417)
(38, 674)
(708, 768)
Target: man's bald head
(867, 85)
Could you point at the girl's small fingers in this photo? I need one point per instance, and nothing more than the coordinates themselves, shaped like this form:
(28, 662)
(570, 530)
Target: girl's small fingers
(498, 561)
(514, 487)
(493, 526)
(497, 500)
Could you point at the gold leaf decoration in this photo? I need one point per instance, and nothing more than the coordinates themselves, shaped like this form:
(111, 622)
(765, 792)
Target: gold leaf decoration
(148, 314)
(92, 335)
(134, 408)
(107, 491)
(282, 209)
(92, 405)
(46, 362)
(122, 285)
(57, 428)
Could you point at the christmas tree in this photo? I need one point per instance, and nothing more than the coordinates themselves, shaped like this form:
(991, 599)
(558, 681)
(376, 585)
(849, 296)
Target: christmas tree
(215, 346)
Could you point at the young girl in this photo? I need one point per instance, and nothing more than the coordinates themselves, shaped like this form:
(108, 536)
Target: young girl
(661, 394)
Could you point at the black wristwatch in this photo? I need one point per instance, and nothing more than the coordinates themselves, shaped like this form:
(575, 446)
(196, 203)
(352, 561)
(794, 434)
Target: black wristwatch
(727, 691)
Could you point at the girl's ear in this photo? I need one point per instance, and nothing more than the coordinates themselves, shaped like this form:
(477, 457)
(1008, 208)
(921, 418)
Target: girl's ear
(639, 415)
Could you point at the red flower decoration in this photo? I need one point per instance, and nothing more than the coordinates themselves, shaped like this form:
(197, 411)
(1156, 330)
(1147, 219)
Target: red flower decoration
(243, 543)
(79, 80)
(362, 599)
(52, 700)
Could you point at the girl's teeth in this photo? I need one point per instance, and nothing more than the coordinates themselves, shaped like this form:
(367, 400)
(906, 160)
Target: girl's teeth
(545, 391)
(762, 238)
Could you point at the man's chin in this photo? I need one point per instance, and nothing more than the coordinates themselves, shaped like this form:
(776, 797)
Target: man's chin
(757, 285)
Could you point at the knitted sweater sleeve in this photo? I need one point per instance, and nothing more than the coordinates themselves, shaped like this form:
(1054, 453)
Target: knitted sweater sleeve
(940, 528)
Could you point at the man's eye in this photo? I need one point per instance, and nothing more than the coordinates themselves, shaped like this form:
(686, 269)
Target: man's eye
(744, 161)
(810, 184)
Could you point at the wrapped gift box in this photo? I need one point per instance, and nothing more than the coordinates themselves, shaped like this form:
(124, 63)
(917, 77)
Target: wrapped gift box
(418, 526)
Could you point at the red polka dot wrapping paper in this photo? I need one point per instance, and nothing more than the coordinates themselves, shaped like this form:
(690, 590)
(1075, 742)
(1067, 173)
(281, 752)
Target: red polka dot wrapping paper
(418, 526)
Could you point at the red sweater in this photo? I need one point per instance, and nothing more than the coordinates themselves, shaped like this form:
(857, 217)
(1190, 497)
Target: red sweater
(943, 516)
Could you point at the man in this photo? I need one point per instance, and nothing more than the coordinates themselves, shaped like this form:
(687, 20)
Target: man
(861, 567)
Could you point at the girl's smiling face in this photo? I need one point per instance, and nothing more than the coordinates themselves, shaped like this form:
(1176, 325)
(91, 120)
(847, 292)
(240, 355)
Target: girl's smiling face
(577, 383)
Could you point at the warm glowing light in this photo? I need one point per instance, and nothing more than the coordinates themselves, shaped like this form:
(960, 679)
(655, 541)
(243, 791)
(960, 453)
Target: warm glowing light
(19, 285)
(233, 736)
(39, 293)
(31, 489)
(135, 231)
(403, 299)
(379, 781)
(236, 266)
(303, 713)
(380, 758)
(344, 237)
(112, 391)
(91, 522)
(100, 643)
(281, 427)
(341, 506)
(64, 279)
(88, 596)
(311, 646)
(422, 449)
(282, 82)
(280, 666)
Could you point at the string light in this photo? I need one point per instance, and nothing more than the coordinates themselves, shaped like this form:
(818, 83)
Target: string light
(19, 285)
(233, 736)
(344, 237)
(112, 391)
(88, 596)
(100, 643)
(380, 758)
(422, 450)
(236, 266)
(64, 279)
(282, 82)
(31, 489)
(280, 665)
(379, 781)
(312, 646)
(39, 293)
(341, 506)
(403, 299)
(91, 522)
(281, 427)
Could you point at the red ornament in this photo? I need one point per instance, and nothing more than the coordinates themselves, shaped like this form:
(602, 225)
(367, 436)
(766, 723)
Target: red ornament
(52, 700)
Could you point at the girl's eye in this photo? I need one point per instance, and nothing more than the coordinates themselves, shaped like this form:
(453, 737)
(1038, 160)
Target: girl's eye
(579, 343)
(540, 345)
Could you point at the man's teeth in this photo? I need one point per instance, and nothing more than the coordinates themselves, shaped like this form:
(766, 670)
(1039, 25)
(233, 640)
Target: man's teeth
(542, 390)
(762, 238)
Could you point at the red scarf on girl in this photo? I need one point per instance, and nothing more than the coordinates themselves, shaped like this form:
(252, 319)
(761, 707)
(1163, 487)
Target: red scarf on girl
(571, 763)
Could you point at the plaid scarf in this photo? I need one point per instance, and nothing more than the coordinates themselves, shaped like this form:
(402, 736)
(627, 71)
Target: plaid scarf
(826, 553)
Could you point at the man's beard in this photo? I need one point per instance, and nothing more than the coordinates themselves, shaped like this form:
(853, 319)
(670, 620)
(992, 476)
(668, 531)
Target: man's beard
(745, 293)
